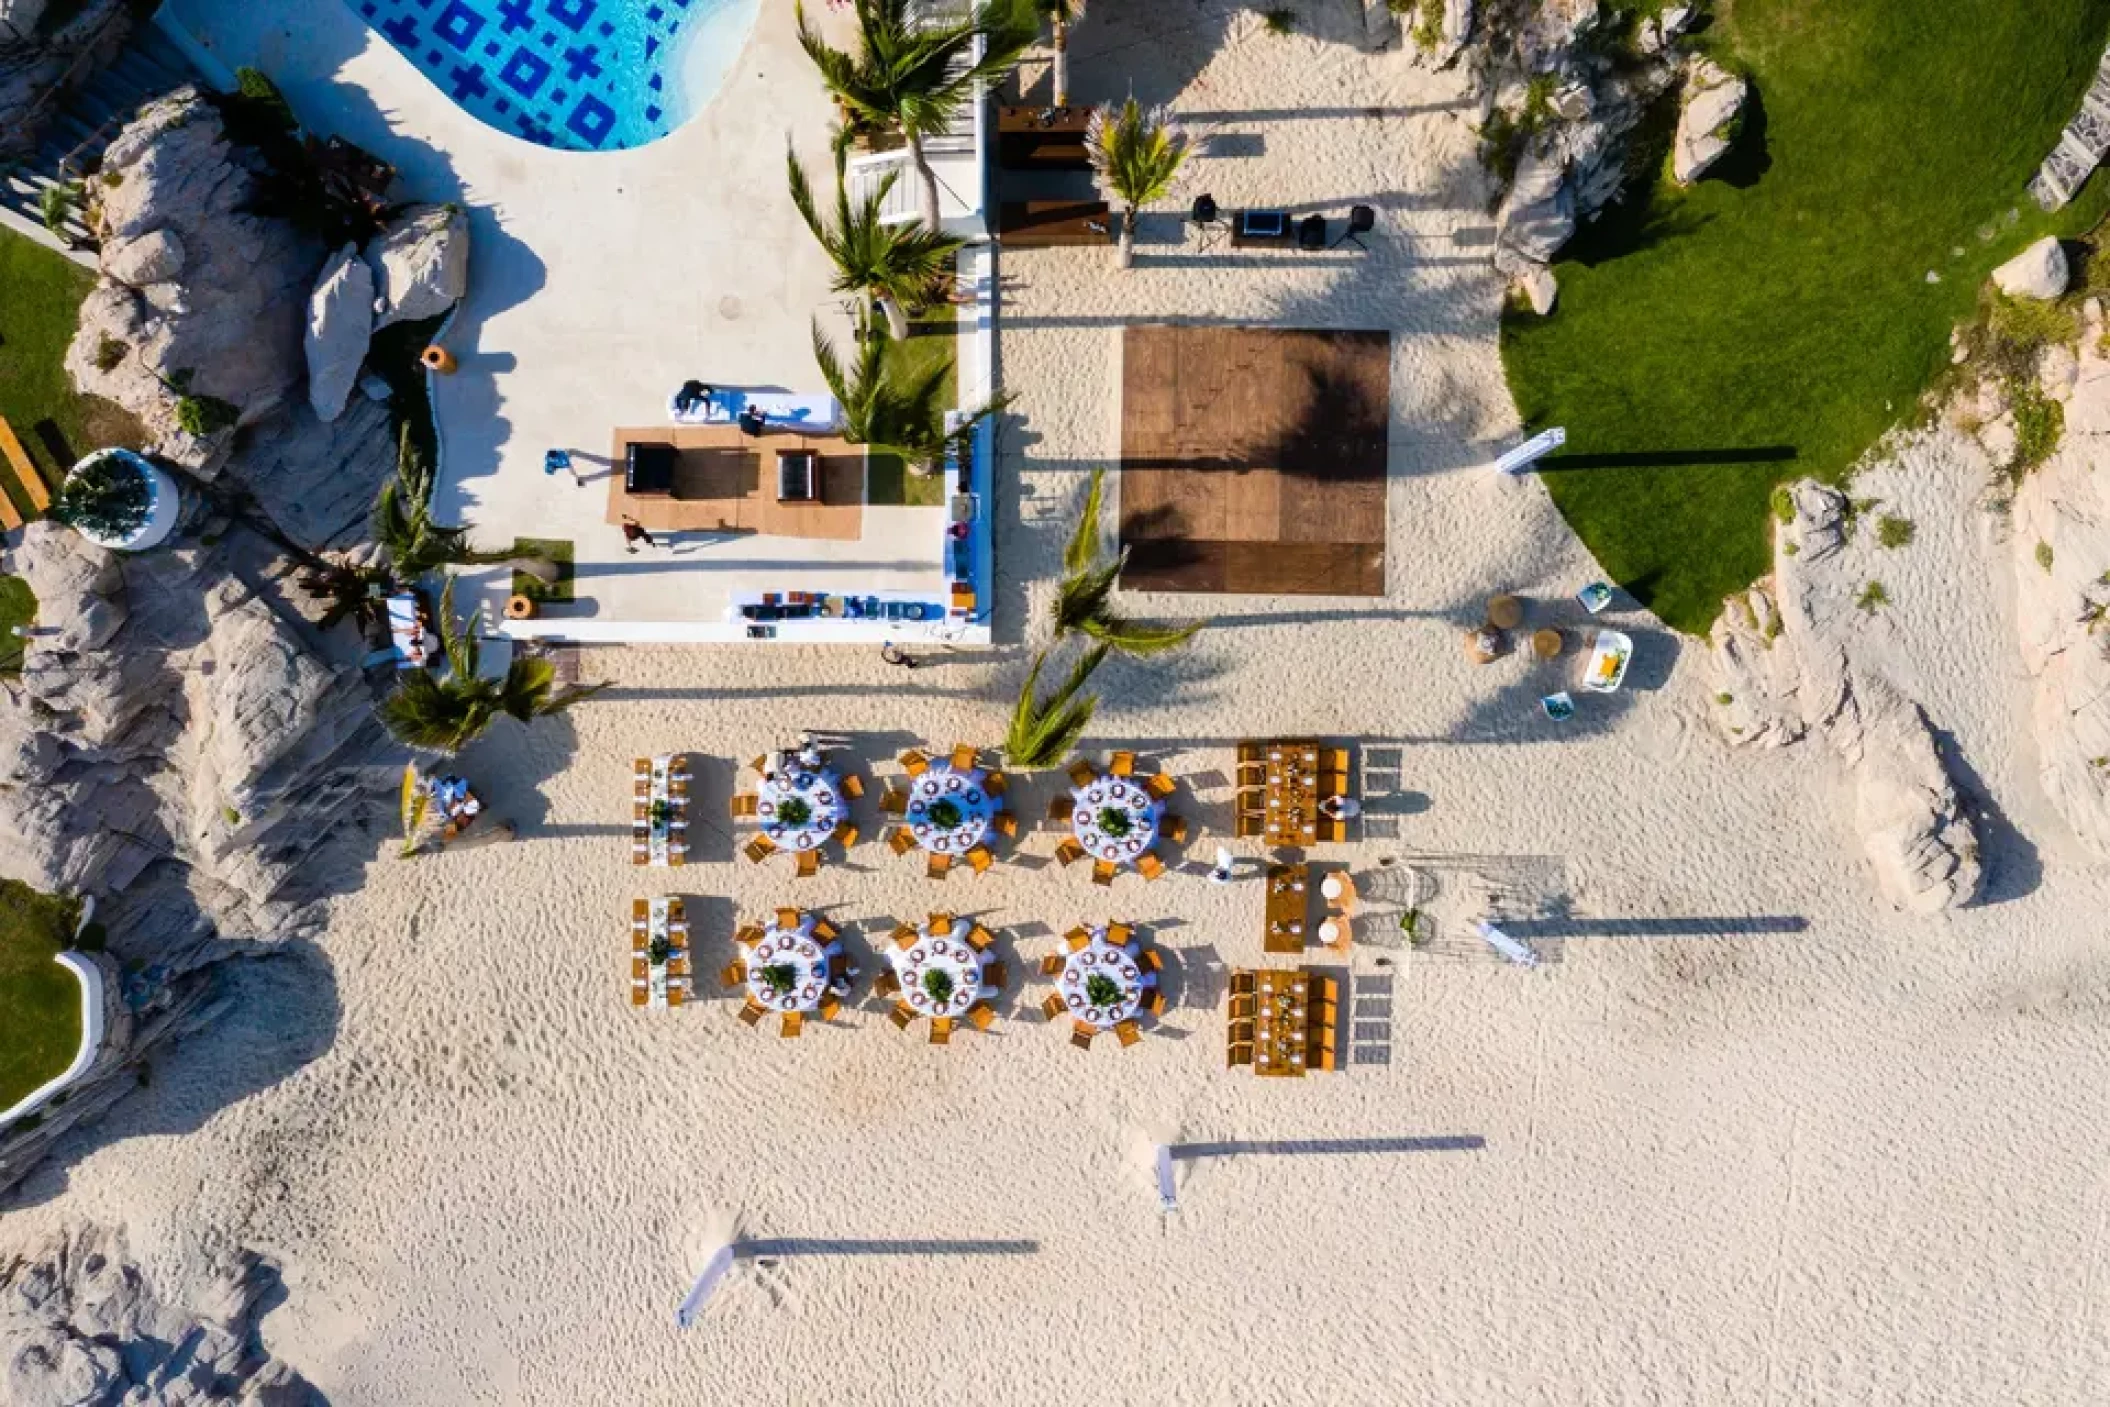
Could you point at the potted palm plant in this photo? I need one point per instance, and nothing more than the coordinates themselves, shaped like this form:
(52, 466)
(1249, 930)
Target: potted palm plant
(118, 499)
(445, 713)
(1101, 990)
(1137, 153)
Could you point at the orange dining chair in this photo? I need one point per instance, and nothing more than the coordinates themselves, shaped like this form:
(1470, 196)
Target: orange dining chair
(1061, 807)
(846, 835)
(996, 976)
(1160, 786)
(1239, 1055)
(744, 806)
(853, 786)
(733, 974)
(759, 849)
(753, 1012)
(1103, 872)
(1174, 829)
(1069, 851)
(1081, 1034)
(1082, 773)
(1079, 938)
(905, 936)
(964, 757)
(1052, 965)
(1154, 1002)
(893, 802)
(1129, 1032)
(639, 995)
(1123, 764)
(994, 783)
(979, 938)
(1150, 962)
(748, 935)
(902, 1015)
(1004, 824)
(809, 864)
(1118, 934)
(941, 1030)
(914, 762)
(824, 930)
(938, 865)
(886, 984)
(788, 918)
(793, 1023)
(1054, 1006)
(980, 858)
(900, 841)
(1151, 866)
(831, 1007)
(981, 1016)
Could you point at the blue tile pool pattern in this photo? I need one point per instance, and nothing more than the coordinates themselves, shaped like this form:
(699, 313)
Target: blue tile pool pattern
(583, 75)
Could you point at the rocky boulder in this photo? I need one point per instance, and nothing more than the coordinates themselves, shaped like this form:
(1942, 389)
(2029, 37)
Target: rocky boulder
(2039, 271)
(81, 1326)
(1440, 33)
(1536, 218)
(1713, 100)
(340, 322)
(420, 264)
(1802, 670)
(80, 588)
(1658, 32)
(1540, 289)
(224, 318)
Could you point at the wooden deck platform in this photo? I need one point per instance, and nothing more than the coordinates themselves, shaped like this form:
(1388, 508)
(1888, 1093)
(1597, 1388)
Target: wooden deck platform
(725, 481)
(1253, 460)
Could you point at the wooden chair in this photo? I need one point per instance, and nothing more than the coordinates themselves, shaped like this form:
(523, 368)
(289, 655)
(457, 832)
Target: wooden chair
(640, 967)
(748, 935)
(1150, 865)
(824, 930)
(759, 849)
(733, 974)
(1118, 934)
(941, 1030)
(640, 995)
(1252, 752)
(794, 1022)
(979, 938)
(1331, 831)
(1244, 1006)
(981, 859)
(1129, 1032)
(1239, 1055)
(892, 802)
(904, 936)
(1052, 965)
(744, 806)
(981, 1016)
(1069, 851)
(1154, 1002)
(1174, 829)
(753, 1012)
(1078, 938)
(1242, 984)
(1334, 759)
(831, 1007)
(846, 835)
(788, 918)
(941, 923)
(853, 786)
(903, 1015)
(1053, 1006)
(914, 762)
(1060, 808)
(640, 911)
(900, 841)
(1150, 962)
(1160, 785)
(676, 994)
(965, 757)
(1242, 1032)
(1004, 824)
(1252, 774)
(1081, 1033)
(994, 784)
(1103, 872)
(1249, 824)
(1082, 773)
(938, 865)
(808, 865)
(996, 976)
(1326, 1057)
(1123, 764)
(886, 984)
(758, 762)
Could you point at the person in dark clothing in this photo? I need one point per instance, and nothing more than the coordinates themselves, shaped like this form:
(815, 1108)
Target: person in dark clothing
(634, 533)
(753, 421)
(893, 654)
(691, 395)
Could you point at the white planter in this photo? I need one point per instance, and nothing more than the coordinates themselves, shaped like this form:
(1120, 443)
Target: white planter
(163, 504)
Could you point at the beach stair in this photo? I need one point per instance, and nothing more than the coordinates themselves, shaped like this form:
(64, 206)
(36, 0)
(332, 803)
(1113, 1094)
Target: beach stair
(26, 475)
(85, 119)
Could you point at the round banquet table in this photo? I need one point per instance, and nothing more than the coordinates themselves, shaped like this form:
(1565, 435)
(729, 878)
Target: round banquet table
(1122, 795)
(965, 790)
(1099, 958)
(825, 807)
(948, 952)
(798, 949)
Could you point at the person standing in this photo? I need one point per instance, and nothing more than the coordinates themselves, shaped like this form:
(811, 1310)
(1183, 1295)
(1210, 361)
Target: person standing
(555, 461)
(893, 654)
(634, 533)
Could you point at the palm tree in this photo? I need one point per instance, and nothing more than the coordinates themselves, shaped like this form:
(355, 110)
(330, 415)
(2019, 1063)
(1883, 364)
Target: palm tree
(885, 264)
(1044, 731)
(1061, 14)
(902, 77)
(884, 413)
(445, 713)
(1083, 602)
(1137, 153)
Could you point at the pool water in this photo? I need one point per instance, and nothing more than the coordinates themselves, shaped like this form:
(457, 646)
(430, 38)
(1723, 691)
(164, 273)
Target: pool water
(581, 75)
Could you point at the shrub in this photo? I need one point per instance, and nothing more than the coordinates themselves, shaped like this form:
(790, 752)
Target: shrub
(937, 985)
(109, 352)
(2044, 556)
(2039, 422)
(1783, 504)
(2027, 324)
(1892, 531)
(1872, 598)
(1101, 990)
(205, 415)
(794, 812)
(944, 814)
(55, 204)
(262, 101)
(106, 496)
(1725, 699)
(1428, 22)
(1281, 20)
(1113, 822)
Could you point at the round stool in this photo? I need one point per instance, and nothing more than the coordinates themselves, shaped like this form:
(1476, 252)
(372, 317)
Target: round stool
(1547, 644)
(520, 608)
(1503, 612)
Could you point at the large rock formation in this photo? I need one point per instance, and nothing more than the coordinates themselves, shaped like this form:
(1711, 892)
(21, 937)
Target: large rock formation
(420, 264)
(1782, 674)
(1537, 216)
(1713, 100)
(2039, 271)
(340, 322)
(80, 1327)
(222, 316)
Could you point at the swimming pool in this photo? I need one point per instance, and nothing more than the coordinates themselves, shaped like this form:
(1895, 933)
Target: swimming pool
(582, 75)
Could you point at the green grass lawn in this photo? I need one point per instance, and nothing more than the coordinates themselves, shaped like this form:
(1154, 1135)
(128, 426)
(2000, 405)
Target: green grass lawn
(1783, 309)
(887, 477)
(40, 1001)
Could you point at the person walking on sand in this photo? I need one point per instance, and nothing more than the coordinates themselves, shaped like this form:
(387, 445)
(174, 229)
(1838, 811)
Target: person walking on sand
(634, 533)
(893, 654)
(555, 461)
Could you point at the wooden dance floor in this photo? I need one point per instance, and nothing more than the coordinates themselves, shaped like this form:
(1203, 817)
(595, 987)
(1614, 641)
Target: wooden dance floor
(1253, 460)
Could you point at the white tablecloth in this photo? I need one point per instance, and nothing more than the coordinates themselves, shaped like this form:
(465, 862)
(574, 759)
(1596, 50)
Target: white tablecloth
(660, 834)
(967, 791)
(799, 950)
(1099, 958)
(657, 931)
(1125, 797)
(948, 952)
(821, 791)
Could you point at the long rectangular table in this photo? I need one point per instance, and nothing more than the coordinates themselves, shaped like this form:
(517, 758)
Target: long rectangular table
(1042, 139)
(1292, 1027)
(1288, 907)
(1291, 792)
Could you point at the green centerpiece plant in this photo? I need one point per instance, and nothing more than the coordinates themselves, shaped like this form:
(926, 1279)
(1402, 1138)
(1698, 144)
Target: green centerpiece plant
(937, 985)
(794, 812)
(1113, 822)
(659, 951)
(780, 978)
(945, 814)
(662, 812)
(1101, 990)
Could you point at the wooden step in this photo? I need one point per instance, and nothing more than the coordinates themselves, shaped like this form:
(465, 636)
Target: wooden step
(32, 482)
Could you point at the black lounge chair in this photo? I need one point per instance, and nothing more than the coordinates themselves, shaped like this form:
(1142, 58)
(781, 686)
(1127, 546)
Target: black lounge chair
(1312, 233)
(1361, 220)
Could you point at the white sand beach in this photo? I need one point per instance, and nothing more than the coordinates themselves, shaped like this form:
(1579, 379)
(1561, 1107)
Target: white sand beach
(1746, 1137)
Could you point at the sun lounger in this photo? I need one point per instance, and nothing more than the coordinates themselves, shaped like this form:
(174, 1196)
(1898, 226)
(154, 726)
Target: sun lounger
(1608, 661)
(812, 414)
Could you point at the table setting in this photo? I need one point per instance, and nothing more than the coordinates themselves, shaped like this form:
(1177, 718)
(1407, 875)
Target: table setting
(1114, 818)
(940, 972)
(800, 807)
(788, 970)
(949, 811)
(1102, 984)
